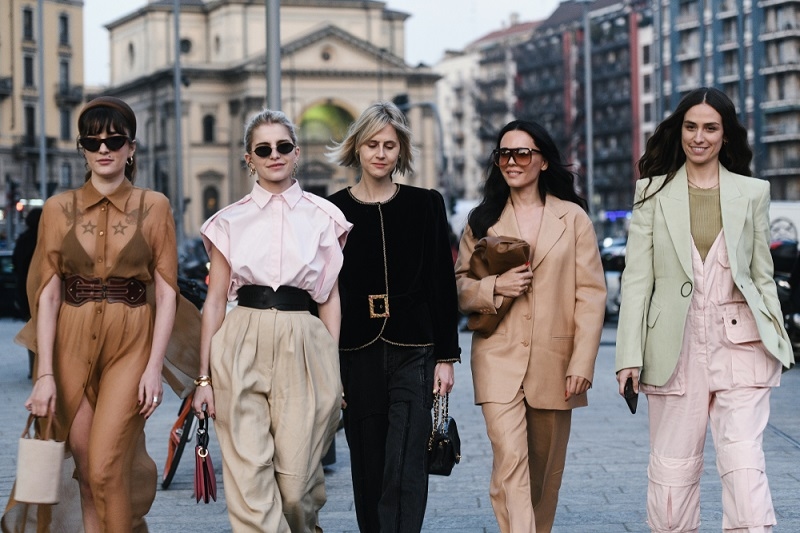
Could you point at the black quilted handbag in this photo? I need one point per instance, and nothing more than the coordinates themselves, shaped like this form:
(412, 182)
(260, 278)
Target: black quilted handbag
(444, 446)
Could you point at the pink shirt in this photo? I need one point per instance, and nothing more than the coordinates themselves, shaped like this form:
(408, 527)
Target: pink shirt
(294, 238)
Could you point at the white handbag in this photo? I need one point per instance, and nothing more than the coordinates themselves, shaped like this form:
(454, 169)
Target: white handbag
(39, 464)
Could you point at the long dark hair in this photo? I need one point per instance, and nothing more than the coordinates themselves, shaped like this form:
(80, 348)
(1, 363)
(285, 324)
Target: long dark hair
(556, 179)
(664, 153)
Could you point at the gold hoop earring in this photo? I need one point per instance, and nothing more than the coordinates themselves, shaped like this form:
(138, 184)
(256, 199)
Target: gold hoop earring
(129, 161)
(252, 169)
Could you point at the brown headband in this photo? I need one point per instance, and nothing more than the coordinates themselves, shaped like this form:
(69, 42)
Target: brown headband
(116, 104)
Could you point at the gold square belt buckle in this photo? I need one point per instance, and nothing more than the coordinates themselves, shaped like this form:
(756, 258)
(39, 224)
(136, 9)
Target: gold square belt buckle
(378, 305)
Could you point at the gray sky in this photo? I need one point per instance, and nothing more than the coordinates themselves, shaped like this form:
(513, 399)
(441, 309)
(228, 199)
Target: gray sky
(434, 26)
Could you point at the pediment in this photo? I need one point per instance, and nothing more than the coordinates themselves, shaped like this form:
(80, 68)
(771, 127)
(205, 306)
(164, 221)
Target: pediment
(332, 48)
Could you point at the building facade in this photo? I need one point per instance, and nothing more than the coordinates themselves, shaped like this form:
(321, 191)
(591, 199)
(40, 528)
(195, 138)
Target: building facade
(337, 57)
(551, 89)
(476, 96)
(750, 50)
(38, 63)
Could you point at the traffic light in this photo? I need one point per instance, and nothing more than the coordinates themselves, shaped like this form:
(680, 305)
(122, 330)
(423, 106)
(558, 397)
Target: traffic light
(13, 195)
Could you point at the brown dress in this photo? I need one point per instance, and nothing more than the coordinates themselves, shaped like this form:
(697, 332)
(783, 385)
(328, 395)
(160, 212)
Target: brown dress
(101, 349)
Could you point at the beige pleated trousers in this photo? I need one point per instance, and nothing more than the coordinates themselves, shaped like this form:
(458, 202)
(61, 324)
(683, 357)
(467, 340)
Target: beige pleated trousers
(277, 392)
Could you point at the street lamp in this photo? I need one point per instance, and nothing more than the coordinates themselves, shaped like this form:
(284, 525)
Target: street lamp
(179, 200)
(587, 75)
(273, 54)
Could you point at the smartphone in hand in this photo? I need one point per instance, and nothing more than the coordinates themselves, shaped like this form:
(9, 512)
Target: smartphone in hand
(631, 396)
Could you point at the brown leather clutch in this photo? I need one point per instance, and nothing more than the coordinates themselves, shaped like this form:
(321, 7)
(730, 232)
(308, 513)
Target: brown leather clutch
(494, 256)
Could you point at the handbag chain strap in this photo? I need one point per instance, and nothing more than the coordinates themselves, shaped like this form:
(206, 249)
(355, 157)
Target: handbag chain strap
(441, 411)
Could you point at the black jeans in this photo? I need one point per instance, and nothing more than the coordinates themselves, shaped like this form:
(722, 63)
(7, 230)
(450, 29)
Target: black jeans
(388, 390)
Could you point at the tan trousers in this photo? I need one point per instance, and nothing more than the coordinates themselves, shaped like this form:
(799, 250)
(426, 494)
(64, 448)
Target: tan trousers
(530, 449)
(277, 392)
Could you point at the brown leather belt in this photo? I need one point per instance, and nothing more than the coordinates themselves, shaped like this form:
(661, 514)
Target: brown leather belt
(79, 290)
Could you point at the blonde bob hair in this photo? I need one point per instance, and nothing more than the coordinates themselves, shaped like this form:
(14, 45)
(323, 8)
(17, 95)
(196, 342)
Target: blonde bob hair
(372, 120)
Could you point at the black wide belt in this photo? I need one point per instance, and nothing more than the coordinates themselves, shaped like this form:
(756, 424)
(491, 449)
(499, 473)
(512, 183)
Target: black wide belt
(284, 299)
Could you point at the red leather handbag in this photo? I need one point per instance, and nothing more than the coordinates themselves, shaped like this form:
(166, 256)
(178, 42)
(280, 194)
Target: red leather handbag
(205, 481)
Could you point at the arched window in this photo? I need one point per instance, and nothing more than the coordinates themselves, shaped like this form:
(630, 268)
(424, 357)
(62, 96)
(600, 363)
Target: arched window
(208, 128)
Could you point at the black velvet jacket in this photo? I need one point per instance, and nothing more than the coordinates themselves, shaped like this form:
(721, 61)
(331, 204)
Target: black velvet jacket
(403, 243)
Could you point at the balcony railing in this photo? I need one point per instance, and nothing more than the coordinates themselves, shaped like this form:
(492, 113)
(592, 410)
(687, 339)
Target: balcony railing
(67, 95)
(28, 145)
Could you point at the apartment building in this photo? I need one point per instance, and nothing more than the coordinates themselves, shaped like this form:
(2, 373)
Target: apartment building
(551, 89)
(750, 50)
(778, 83)
(41, 57)
(476, 97)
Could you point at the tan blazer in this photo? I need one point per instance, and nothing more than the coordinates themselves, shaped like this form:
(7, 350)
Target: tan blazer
(550, 332)
(658, 280)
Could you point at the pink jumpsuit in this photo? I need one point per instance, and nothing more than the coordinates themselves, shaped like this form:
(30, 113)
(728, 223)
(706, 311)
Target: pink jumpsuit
(724, 375)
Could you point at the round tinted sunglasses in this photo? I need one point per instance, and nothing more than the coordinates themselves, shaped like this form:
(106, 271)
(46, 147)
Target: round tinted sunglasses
(265, 150)
(522, 156)
(113, 143)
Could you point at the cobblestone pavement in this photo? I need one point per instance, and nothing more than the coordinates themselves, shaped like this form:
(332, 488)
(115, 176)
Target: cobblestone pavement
(604, 483)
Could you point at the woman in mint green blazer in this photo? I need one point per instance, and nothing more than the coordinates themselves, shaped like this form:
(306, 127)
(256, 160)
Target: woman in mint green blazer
(700, 326)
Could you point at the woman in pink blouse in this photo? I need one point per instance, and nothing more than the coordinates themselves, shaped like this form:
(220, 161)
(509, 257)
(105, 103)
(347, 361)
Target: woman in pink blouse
(276, 391)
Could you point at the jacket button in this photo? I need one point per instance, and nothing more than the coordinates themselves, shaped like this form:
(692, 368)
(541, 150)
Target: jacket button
(733, 321)
(525, 343)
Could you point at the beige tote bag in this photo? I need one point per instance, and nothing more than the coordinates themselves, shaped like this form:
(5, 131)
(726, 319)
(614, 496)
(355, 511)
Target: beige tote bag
(39, 464)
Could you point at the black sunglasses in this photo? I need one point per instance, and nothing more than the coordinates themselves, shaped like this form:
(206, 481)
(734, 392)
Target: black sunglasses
(265, 150)
(113, 143)
(522, 156)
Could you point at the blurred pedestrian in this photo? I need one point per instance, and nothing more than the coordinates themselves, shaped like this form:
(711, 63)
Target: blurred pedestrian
(539, 363)
(700, 326)
(22, 255)
(276, 393)
(399, 321)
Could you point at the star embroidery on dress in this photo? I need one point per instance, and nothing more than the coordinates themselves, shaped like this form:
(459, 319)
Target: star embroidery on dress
(119, 228)
(88, 227)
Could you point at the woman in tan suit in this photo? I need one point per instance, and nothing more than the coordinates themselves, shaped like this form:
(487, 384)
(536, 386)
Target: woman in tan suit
(538, 364)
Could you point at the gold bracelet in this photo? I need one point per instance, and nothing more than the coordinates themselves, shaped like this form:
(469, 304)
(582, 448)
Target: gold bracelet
(202, 381)
(43, 375)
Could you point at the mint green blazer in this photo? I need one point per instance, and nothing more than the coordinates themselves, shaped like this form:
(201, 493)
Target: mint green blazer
(658, 282)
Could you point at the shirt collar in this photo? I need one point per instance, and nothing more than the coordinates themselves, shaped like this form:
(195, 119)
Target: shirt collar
(291, 196)
(118, 198)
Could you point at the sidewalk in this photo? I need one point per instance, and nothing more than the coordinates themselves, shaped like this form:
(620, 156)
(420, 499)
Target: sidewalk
(603, 491)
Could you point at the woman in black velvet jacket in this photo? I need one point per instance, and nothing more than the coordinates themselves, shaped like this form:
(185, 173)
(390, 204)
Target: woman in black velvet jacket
(399, 336)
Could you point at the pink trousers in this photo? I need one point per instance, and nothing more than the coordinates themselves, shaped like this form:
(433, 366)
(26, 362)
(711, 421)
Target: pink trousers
(723, 377)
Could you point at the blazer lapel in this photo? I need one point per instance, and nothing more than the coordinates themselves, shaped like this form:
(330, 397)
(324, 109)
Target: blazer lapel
(506, 225)
(675, 209)
(551, 230)
(733, 205)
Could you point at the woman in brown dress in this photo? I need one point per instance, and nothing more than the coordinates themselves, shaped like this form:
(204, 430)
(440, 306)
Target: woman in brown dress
(109, 249)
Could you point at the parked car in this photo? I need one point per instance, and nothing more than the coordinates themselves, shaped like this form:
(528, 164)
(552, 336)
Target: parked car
(8, 285)
(612, 254)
